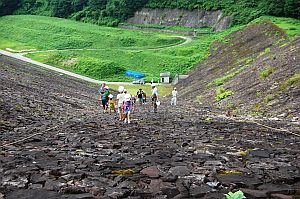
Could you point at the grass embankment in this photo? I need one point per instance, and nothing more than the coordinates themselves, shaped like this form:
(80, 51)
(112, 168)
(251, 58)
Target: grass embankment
(175, 28)
(118, 50)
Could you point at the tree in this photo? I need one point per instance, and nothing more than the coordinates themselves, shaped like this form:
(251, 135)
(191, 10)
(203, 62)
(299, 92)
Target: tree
(8, 6)
(61, 8)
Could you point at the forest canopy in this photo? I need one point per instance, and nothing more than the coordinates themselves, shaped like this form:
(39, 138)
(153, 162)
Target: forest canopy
(111, 12)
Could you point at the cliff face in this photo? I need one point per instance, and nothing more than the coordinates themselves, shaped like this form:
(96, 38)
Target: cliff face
(180, 17)
(258, 64)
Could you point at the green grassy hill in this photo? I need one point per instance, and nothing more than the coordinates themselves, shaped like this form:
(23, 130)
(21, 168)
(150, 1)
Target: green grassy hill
(114, 50)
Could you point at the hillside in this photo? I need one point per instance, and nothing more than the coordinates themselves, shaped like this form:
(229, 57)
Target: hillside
(111, 12)
(252, 71)
(55, 143)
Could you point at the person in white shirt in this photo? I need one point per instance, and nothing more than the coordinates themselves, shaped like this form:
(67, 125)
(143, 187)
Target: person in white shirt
(127, 106)
(174, 97)
(154, 98)
(120, 98)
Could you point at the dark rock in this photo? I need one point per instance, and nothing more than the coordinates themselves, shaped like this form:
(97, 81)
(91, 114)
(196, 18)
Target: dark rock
(152, 172)
(73, 190)
(54, 185)
(169, 178)
(170, 192)
(199, 191)
(33, 194)
(180, 171)
(239, 180)
(80, 196)
(281, 196)
(117, 193)
(127, 184)
(276, 188)
(250, 193)
(260, 153)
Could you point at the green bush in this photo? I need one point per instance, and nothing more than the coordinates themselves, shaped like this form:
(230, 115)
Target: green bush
(100, 69)
(265, 73)
(222, 94)
(235, 195)
(269, 98)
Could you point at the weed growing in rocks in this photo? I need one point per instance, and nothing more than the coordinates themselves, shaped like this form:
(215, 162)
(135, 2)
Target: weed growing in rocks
(235, 195)
(269, 98)
(290, 81)
(222, 94)
(265, 73)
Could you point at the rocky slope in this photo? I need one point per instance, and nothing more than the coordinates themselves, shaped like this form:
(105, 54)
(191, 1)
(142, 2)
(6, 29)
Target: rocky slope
(67, 148)
(181, 17)
(259, 65)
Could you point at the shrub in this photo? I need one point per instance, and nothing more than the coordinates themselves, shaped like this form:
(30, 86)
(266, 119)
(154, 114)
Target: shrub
(235, 195)
(222, 94)
(127, 41)
(98, 68)
(265, 73)
(269, 98)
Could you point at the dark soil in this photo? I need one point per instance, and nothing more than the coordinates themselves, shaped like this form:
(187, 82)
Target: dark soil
(76, 151)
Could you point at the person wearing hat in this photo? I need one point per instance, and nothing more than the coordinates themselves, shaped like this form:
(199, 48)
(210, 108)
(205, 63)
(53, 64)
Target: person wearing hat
(120, 98)
(127, 106)
(154, 98)
(111, 103)
(174, 97)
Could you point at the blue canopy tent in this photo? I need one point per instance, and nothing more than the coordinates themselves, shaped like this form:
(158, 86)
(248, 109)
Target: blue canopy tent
(134, 74)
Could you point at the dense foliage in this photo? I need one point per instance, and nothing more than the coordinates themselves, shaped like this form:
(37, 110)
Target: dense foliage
(8, 6)
(111, 12)
(243, 10)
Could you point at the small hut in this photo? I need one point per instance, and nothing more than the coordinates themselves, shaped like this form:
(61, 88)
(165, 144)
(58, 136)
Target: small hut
(165, 78)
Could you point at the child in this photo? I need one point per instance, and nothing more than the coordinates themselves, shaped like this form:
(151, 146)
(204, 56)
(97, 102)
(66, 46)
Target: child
(127, 107)
(111, 103)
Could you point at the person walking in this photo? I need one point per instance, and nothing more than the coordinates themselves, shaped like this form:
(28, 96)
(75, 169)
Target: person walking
(174, 97)
(154, 97)
(101, 90)
(111, 103)
(140, 96)
(120, 98)
(104, 98)
(127, 107)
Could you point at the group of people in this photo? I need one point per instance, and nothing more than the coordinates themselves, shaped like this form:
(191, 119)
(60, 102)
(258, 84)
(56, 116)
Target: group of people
(125, 101)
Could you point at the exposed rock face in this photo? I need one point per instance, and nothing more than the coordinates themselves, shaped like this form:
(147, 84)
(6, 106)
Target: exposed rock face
(175, 17)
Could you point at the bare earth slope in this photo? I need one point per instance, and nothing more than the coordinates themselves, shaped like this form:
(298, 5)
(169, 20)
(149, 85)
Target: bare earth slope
(259, 64)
